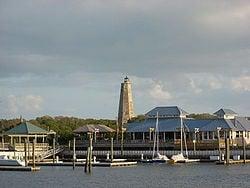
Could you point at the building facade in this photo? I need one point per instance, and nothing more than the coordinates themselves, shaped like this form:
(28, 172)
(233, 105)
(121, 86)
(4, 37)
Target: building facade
(226, 124)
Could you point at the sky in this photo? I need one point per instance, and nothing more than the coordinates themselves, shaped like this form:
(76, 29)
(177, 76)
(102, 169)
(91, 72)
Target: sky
(68, 58)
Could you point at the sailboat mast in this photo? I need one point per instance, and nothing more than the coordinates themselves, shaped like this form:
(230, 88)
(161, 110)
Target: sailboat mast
(156, 137)
(157, 132)
(181, 133)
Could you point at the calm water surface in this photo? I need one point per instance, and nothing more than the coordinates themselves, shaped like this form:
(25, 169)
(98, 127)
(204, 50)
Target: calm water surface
(146, 175)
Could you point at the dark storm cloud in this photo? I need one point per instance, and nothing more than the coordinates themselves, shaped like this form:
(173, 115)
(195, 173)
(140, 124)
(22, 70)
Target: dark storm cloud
(176, 51)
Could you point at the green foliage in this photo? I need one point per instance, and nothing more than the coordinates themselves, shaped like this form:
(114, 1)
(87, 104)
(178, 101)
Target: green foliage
(202, 116)
(63, 126)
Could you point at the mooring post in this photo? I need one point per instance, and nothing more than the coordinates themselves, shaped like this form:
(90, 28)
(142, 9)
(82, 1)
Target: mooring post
(112, 150)
(25, 152)
(14, 149)
(28, 149)
(90, 151)
(54, 146)
(218, 133)
(122, 141)
(227, 151)
(33, 152)
(87, 161)
(74, 152)
(244, 148)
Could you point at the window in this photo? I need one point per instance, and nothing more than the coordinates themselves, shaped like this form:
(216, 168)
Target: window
(210, 135)
(237, 134)
(205, 135)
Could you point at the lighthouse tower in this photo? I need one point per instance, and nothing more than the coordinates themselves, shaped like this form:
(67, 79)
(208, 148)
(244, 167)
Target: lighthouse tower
(126, 108)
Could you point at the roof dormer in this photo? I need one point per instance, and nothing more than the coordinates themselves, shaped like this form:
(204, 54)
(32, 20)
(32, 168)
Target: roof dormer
(225, 113)
(167, 112)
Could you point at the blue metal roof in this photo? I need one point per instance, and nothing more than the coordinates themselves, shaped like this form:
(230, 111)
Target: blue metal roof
(164, 125)
(224, 111)
(173, 124)
(241, 123)
(166, 111)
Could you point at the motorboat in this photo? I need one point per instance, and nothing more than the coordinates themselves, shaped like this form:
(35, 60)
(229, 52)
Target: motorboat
(6, 161)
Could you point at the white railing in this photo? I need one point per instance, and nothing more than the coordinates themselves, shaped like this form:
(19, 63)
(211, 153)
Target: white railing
(205, 153)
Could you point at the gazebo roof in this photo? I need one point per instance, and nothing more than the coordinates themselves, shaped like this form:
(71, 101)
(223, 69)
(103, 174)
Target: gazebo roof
(26, 128)
(93, 128)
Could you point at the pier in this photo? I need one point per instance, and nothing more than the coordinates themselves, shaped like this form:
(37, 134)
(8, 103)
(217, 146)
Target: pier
(19, 168)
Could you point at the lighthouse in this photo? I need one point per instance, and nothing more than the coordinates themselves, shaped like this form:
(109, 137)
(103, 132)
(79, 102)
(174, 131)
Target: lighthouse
(126, 107)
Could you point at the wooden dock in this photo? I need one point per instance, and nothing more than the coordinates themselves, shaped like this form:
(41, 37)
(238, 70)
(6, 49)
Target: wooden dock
(18, 168)
(115, 164)
(96, 164)
(233, 162)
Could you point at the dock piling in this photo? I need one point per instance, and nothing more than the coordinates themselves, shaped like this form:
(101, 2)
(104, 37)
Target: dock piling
(244, 148)
(112, 150)
(87, 161)
(74, 152)
(33, 152)
(54, 145)
(25, 152)
(227, 150)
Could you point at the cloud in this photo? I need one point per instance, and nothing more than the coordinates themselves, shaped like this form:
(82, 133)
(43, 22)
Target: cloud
(21, 105)
(229, 17)
(158, 93)
(241, 83)
(178, 52)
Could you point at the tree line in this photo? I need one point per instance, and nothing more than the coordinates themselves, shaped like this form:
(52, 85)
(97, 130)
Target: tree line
(63, 126)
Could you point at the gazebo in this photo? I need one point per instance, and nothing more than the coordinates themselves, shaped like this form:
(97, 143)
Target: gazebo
(98, 130)
(26, 131)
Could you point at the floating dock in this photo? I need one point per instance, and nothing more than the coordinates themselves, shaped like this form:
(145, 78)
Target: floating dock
(96, 164)
(18, 168)
(233, 162)
(115, 164)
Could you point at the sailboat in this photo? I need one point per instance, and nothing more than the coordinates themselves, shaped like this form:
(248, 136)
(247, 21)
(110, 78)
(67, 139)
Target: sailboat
(179, 158)
(156, 157)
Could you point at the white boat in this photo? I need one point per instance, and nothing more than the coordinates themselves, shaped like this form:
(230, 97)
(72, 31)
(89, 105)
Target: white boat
(158, 158)
(5, 161)
(179, 158)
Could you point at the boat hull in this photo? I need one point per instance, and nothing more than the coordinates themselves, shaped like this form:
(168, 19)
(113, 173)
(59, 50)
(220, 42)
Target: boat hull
(154, 161)
(11, 162)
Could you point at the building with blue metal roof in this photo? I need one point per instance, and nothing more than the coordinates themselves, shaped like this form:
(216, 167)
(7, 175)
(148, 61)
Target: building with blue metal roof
(228, 123)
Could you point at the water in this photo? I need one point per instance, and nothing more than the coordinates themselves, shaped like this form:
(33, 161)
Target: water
(143, 175)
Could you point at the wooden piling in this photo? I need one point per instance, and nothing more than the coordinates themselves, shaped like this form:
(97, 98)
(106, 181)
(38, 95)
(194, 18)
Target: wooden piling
(244, 148)
(87, 161)
(28, 145)
(54, 147)
(227, 151)
(112, 150)
(90, 151)
(122, 139)
(14, 149)
(33, 153)
(25, 153)
(218, 133)
(74, 152)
